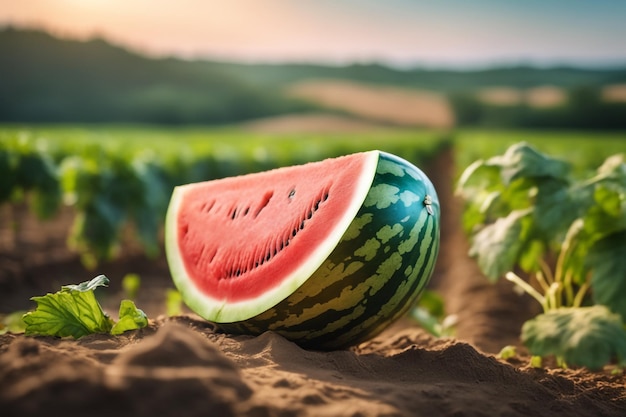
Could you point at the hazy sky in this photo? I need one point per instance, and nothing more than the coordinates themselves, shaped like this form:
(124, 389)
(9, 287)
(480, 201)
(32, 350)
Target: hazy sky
(400, 32)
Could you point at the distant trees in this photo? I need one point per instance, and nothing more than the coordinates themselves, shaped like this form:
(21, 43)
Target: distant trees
(584, 108)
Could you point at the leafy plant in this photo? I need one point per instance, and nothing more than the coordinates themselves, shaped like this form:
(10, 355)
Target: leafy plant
(430, 314)
(526, 214)
(74, 311)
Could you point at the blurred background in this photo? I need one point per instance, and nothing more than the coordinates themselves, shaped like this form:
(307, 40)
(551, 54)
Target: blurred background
(534, 64)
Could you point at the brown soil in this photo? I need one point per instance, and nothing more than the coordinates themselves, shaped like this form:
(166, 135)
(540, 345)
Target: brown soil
(183, 366)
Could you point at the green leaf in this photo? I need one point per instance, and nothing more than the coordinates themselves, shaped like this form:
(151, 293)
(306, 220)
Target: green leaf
(99, 281)
(73, 311)
(130, 318)
(583, 336)
(555, 209)
(507, 352)
(607, 261)
(430, 314)
(522, 160)
(498, 245)
(12, 322)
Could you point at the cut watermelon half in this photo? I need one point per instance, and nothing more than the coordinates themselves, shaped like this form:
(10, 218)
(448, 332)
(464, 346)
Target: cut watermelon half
(327, 254)
(238, 246)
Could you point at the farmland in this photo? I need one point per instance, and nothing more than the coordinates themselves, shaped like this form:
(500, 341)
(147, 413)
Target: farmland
(120, 177)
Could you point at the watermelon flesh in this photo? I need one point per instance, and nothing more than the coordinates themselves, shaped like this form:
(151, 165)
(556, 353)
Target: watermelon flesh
(327, 253)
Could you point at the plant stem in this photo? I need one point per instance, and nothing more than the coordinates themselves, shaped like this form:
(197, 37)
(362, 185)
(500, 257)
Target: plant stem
(542, 281)
(527, 288)
(569, 289)
(545, 268)
(580, 295)
(553, 298)
(568, 244)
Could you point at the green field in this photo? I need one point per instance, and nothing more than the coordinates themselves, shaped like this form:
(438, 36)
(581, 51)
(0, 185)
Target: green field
(115, 176)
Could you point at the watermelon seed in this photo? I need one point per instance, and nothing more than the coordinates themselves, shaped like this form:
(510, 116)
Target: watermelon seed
(292, 193)
(245, 212)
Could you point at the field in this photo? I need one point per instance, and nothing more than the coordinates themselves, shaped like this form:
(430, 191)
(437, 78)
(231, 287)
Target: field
(187, 361)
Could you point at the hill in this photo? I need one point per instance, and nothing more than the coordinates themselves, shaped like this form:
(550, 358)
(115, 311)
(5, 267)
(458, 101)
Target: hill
(47, 79)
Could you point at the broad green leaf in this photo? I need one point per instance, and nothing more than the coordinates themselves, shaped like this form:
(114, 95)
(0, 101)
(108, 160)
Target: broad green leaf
(555, 209)
(607, 261)
(498, 245)
(130, 318)
(522, 160)
(73, 311)
(583, 336)
(608, 213)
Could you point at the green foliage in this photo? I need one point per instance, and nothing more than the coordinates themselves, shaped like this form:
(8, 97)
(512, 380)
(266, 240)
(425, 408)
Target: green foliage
(75, 312)
(130, 318)
(527, 212)
(12, 322)
(119, 178)
(583, 336)
(430, 314)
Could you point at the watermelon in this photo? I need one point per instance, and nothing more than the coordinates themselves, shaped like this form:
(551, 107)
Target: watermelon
(326, 254)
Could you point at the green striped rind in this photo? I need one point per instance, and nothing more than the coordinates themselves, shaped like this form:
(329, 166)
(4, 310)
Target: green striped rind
(375, 274)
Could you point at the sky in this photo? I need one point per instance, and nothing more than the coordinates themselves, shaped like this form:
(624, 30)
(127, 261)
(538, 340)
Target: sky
(400, 33)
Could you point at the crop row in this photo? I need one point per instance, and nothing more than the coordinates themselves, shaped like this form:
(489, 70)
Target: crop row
(118, 178)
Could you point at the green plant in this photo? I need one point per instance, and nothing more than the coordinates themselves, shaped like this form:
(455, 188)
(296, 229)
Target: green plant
(527, 215)
(74, 311)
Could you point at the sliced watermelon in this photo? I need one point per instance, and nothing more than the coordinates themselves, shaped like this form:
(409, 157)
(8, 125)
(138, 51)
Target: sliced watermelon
(326, 253)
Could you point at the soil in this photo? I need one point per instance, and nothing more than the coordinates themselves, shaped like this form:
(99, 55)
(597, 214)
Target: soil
(184, 366)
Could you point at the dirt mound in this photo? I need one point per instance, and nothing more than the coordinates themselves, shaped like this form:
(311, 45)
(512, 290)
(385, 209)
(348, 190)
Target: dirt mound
(182, 367)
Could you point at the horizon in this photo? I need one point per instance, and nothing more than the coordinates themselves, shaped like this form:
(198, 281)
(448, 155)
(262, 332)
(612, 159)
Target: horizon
(400, 34)
(418, 66)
